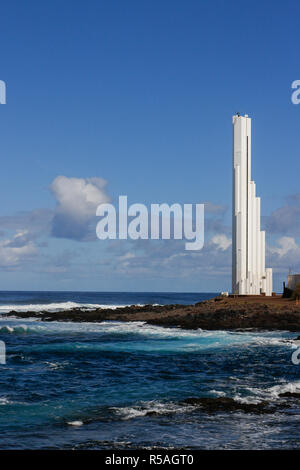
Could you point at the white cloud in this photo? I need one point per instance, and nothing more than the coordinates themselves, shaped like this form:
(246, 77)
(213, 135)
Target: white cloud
(284, 256)
(77, 200)
(16, 250)
(78, 197)
(221, 241)
(285, 245)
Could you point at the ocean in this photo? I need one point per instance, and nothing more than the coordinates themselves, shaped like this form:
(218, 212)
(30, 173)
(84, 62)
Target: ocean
(114, 385)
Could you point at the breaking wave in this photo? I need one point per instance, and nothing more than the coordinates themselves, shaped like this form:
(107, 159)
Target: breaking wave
(149, 409)
(55, 307)
(272, 394)
(158, 339)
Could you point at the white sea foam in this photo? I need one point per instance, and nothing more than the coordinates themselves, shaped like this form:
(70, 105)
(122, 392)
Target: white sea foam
(257, 395)
(56, 365)
(292, 387)
(142, 328)
(75, 423)
(14, 329)
(55, 307)
(218, 393)
(182, 340)
(144, 408)
(14, 325)
(4, 401)
(20, 329)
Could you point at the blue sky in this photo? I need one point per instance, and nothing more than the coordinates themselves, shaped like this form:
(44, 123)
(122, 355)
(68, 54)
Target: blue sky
(141, 94)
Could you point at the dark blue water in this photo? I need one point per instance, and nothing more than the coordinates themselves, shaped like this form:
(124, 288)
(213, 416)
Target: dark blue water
(122, 385)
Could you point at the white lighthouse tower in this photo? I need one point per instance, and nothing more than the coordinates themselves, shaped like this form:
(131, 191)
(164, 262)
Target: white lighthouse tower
(249, 274)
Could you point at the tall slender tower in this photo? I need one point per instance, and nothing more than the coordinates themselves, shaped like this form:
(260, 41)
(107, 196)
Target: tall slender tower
(249, 275)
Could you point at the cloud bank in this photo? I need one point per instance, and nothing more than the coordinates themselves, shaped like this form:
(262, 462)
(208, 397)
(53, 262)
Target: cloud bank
(16, 250)
(24, 240)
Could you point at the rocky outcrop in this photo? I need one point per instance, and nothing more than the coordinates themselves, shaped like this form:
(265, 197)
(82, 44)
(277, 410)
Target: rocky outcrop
(238, 313)
(212, 405)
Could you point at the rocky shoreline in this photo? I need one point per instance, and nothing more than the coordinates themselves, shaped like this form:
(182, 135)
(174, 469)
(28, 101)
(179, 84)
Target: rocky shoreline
(219, 313)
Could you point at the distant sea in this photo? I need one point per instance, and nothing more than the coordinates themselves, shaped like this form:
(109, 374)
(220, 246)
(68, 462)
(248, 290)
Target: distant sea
(36, 301)
(116, 385)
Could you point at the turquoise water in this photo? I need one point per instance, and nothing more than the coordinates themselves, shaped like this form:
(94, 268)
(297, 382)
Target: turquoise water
(122, 385)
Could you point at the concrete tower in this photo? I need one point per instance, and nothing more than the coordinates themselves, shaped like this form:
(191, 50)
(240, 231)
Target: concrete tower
(249, 274)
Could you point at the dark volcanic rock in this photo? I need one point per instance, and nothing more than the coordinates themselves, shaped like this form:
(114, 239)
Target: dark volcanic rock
(228, 404)
(240, 313)
(289, 395)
